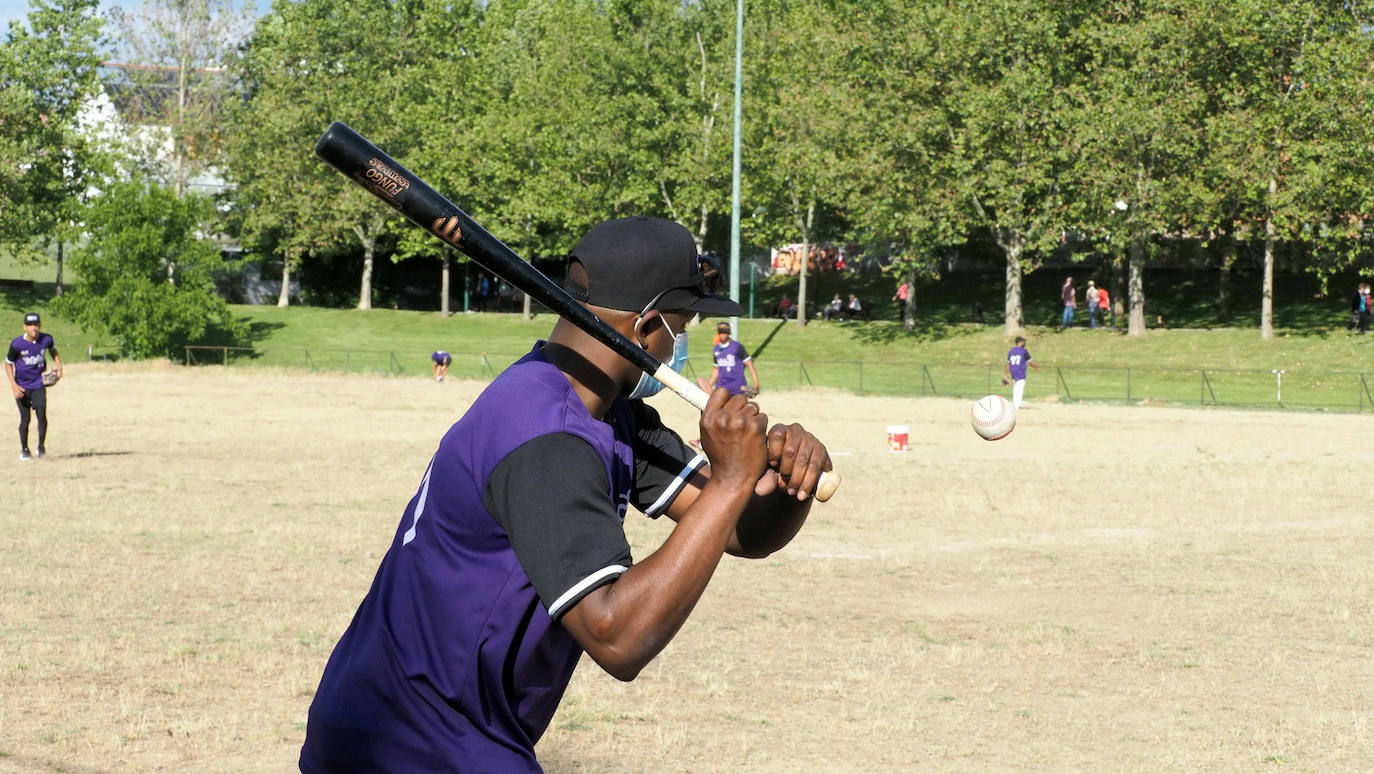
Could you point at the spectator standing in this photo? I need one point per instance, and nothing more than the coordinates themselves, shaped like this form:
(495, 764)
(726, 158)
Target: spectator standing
(1069, 297)
(903, 299)
(483, 292)
(1090, 297)
(1017, 360)
(1104, 303)
(1360, 309)
(24, 367)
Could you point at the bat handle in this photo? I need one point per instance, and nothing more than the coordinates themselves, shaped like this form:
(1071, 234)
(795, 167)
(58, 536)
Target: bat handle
(829, 481)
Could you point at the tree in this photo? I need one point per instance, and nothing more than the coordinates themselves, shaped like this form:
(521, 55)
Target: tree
(896, 191)
(48, 160)
(1289, 136)
(1137, 123)
(173, 85)
(307, 64)
(1004, 104)
(137, 233)
(798, 117)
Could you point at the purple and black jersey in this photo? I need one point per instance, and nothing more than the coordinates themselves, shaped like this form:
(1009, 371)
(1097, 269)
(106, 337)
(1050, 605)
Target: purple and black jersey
(29, 359)
(730, 358)
(441, 357)
(455, 660)
(1017, 359)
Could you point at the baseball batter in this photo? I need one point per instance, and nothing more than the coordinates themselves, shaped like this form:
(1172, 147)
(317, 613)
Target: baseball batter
(511, 559)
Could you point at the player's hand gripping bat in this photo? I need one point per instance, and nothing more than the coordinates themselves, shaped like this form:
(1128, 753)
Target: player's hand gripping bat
(353, 155)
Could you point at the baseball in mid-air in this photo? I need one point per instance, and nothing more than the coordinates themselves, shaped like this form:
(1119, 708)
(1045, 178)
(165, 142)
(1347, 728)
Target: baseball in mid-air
(993, 417)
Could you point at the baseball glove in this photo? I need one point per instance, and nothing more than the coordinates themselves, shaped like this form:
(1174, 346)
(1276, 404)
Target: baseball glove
(1005, 380)
(750, 392)
(50, 378)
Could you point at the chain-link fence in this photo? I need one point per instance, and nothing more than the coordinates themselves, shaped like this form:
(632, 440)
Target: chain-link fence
(1273, 388)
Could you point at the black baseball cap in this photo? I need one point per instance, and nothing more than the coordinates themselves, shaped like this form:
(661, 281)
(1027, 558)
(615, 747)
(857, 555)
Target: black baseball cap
(640, 263)
(31, 318)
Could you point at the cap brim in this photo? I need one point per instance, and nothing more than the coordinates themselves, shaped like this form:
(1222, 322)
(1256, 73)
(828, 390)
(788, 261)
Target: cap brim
(709, 305)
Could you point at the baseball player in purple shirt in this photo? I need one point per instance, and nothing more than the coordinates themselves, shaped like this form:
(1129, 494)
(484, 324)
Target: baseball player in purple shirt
(1017, 360)
(730, 358)
(440, 361)
(24, 366)
(510, 560)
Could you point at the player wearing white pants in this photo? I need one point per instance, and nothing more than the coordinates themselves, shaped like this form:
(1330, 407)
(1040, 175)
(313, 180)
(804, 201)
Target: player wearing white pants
(1017, 360)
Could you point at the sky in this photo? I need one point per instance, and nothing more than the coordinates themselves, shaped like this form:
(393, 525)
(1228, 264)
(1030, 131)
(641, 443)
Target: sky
(18, 9)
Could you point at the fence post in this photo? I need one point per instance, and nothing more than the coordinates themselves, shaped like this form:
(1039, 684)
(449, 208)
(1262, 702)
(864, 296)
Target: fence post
(395, 364)
(1059, 375)
(1364, 387)
(1206, 385)
(804, 375)
(1128, 384)
(226, 356)
(861, 377)
(188, 354)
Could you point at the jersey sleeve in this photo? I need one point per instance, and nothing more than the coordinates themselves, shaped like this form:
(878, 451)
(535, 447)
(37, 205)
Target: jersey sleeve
(13, 356)
(744, 355)
(52, 347)
(568, 535)
(663, 463)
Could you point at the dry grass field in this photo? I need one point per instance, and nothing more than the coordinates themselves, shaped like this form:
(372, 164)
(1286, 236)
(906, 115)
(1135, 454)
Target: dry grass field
(1108, 589)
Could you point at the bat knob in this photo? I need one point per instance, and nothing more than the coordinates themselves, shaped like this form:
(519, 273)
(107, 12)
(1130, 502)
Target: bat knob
(830, 481)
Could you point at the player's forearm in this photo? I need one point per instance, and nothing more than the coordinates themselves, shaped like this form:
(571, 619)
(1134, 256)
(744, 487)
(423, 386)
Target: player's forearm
(624, 625)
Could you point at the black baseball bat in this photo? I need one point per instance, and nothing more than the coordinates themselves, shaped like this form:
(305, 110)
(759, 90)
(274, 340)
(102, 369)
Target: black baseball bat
(370, 167)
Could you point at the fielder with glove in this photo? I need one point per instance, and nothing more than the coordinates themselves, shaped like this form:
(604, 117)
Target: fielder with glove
(730, 360)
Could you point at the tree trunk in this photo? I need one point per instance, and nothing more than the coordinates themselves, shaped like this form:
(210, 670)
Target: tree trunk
(443, 285)
(527, 313)
(1118, 290)
(1012, 245)
(284, 297)
(365, 290)
(57, 288)
(1225, 311)
(1267, 299)
(806, 259)
(1137, 287)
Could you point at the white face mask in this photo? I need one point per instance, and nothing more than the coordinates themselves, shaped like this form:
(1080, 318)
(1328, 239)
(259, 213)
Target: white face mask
(648, 386)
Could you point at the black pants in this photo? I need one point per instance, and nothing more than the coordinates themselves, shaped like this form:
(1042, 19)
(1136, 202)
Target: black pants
(37, 399)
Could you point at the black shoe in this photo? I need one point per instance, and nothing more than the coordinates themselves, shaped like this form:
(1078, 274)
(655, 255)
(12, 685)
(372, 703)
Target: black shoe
(42, 452)
(24, 455)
